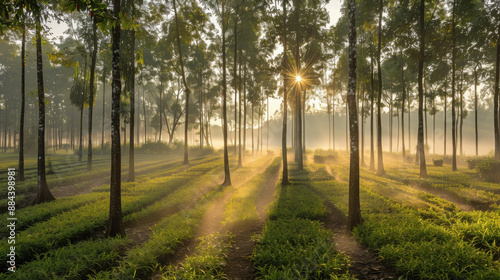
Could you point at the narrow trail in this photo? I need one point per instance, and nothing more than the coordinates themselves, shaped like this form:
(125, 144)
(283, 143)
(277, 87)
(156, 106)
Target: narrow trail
(464, 206)
(210, 223)
(239, 266)
(364, 264)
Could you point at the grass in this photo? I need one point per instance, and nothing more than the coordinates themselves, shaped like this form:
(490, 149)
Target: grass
(294, 244)
(419, 234)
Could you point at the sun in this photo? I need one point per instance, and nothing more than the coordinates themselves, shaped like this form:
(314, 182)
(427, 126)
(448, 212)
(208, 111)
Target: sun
(298, 78)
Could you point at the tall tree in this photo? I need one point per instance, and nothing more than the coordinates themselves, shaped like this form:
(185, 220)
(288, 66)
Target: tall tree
(43, 192)
(354, 216)
(92, 90)
(187, 91)
(380, 162)
(421, 151)
(284, 180)
(23, 99)
(115, 222)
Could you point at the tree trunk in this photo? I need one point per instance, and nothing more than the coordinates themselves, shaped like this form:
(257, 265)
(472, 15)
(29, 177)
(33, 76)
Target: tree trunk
(244, 109)
(186, 87)
(421, 151)
(372, 97)
(453, 124)
(298, 90)
(284, 64)
(103, 107)
(475, 112)
(380, 161)
(91, 100)
(227, 175)
(354, 217)
(239, 119)
(43, 192)
(445, 115)
(496, 96)
(234, 75)
(363, 129)
(131, 83)
(115, 223)
(23, 101)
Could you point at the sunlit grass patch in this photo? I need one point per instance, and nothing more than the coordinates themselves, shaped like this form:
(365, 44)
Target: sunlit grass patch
(207, 262)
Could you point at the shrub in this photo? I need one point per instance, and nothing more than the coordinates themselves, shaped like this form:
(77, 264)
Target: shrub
(447, 159)
(438, 162)
(324, 158)
(489, 170)
(473, 162)
(154, 147)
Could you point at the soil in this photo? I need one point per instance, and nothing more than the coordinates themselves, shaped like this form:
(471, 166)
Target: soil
(364, 263)
(211, 223)
(460, 202)
(239, 265)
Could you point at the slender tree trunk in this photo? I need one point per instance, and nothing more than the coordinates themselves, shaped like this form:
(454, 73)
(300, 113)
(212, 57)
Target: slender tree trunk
(380, 161)
(298, 89)
(495, 102)
(333, 124)
(91, 100)
(445, 114)
(454, 127)
(23, 101)
(103, 107)
(423, 167)
(186, 87)
(43, 192)
(145, 116)
(363, 129)
(234, 74)
(253, 151)
(461, 119)
(131, 83)
(239, 117)
(115, 223)
(284, 66)
(161, 108)
(244, 109)
(475, 113)
(227, 175)
(372, 97)
(354, 217)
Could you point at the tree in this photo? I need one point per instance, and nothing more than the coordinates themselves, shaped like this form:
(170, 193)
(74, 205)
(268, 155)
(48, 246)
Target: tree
(115, 222)
(421, 151)
(91, 95)
(186, 87)
(284, 180)
(23, 100)
(354, 216)
(380, 162)
(43, 192)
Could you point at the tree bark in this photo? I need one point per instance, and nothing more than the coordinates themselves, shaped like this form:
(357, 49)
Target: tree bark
(496, 96)
(453, 124)
(91, 87)
(115, 223)
(43, 192)
(372, 97)
(239, 119)
(186, 87)
(103, 107)
(354, 217)
(475, 112)
(227, 175)
(421, 151)
(380, 161)
(23, 101)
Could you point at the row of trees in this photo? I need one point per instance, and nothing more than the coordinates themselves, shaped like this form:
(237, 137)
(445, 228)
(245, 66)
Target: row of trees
(191, 55)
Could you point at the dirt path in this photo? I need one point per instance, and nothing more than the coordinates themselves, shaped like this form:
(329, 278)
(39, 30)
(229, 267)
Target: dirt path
(239, 266)
(364, 263)
(210, 223)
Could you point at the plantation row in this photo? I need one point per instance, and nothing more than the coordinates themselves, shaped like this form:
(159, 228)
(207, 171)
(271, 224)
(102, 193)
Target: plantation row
(183, 193)
(421, 235)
